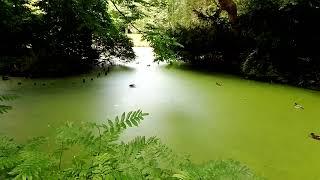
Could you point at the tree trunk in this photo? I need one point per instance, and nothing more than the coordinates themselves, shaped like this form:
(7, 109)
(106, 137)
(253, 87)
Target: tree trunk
(231, 8)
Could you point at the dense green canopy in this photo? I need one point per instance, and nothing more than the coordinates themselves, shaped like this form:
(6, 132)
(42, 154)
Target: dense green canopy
(273, 40)
(57, 34)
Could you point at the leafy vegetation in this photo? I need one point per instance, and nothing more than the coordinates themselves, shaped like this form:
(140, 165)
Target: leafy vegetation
(5, 108)
(54, 37)
(93, 151)
(271, 40)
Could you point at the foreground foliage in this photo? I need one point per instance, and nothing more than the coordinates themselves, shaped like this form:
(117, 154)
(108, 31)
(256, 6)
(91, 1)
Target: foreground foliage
(93, 151)
(5, 108)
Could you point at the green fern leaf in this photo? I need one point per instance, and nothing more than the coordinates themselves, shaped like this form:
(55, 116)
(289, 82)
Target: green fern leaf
(129, 123)
(123, 116)
(4, 109)
(123, 125)
(105, 127)
(129, 115)
(134, 114)
(117, 120)
(112, 130)
(8, 97)
(117, 123)
(145, 114)
(110, 124)
(134, 122)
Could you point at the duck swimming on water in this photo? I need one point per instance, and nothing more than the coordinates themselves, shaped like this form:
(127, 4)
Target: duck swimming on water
(298, 106)
(314, 136)
(132, 86)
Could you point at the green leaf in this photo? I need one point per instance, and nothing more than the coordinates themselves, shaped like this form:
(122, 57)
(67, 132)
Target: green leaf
(129, 115)
(123, 116)
(134, 122)
(110, 123)
(8, 97)
(4, 109)
(123, 124)
(134, 114)
(105, 127)
(128, 123)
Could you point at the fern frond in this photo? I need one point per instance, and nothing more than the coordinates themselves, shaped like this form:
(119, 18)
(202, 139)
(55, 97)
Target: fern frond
(125, 121)
(223, 169)
(4, 109)
(99, 155)
(32, 166)
(146, 156)
(8, 152)
(8, 97)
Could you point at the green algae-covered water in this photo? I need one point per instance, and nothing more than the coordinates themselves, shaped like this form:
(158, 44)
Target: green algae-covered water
(252, 122)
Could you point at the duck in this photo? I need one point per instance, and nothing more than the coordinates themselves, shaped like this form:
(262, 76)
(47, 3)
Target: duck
(19, 83)
(298, 106)
(91, 79)
(314, 136)
(148, 65)
(218, 84)
(132, 86)
(83, 80)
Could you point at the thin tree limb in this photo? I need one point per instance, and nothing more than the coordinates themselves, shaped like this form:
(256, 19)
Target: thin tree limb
(126, 18)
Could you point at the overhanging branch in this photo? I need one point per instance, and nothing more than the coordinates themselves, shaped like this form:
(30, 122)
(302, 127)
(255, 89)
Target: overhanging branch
(125, 17)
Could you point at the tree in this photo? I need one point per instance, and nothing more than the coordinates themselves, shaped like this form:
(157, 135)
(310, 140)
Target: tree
(67, 36)
(231, 7)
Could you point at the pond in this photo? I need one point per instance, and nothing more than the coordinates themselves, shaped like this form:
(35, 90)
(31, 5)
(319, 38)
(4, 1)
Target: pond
(206, 115)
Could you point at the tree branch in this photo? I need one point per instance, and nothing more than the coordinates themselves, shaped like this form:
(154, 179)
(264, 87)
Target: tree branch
(125, 17)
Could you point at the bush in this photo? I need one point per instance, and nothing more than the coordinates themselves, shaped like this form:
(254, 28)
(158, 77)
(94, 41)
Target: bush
(207, 44)
(285, 38)
(272, 40)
